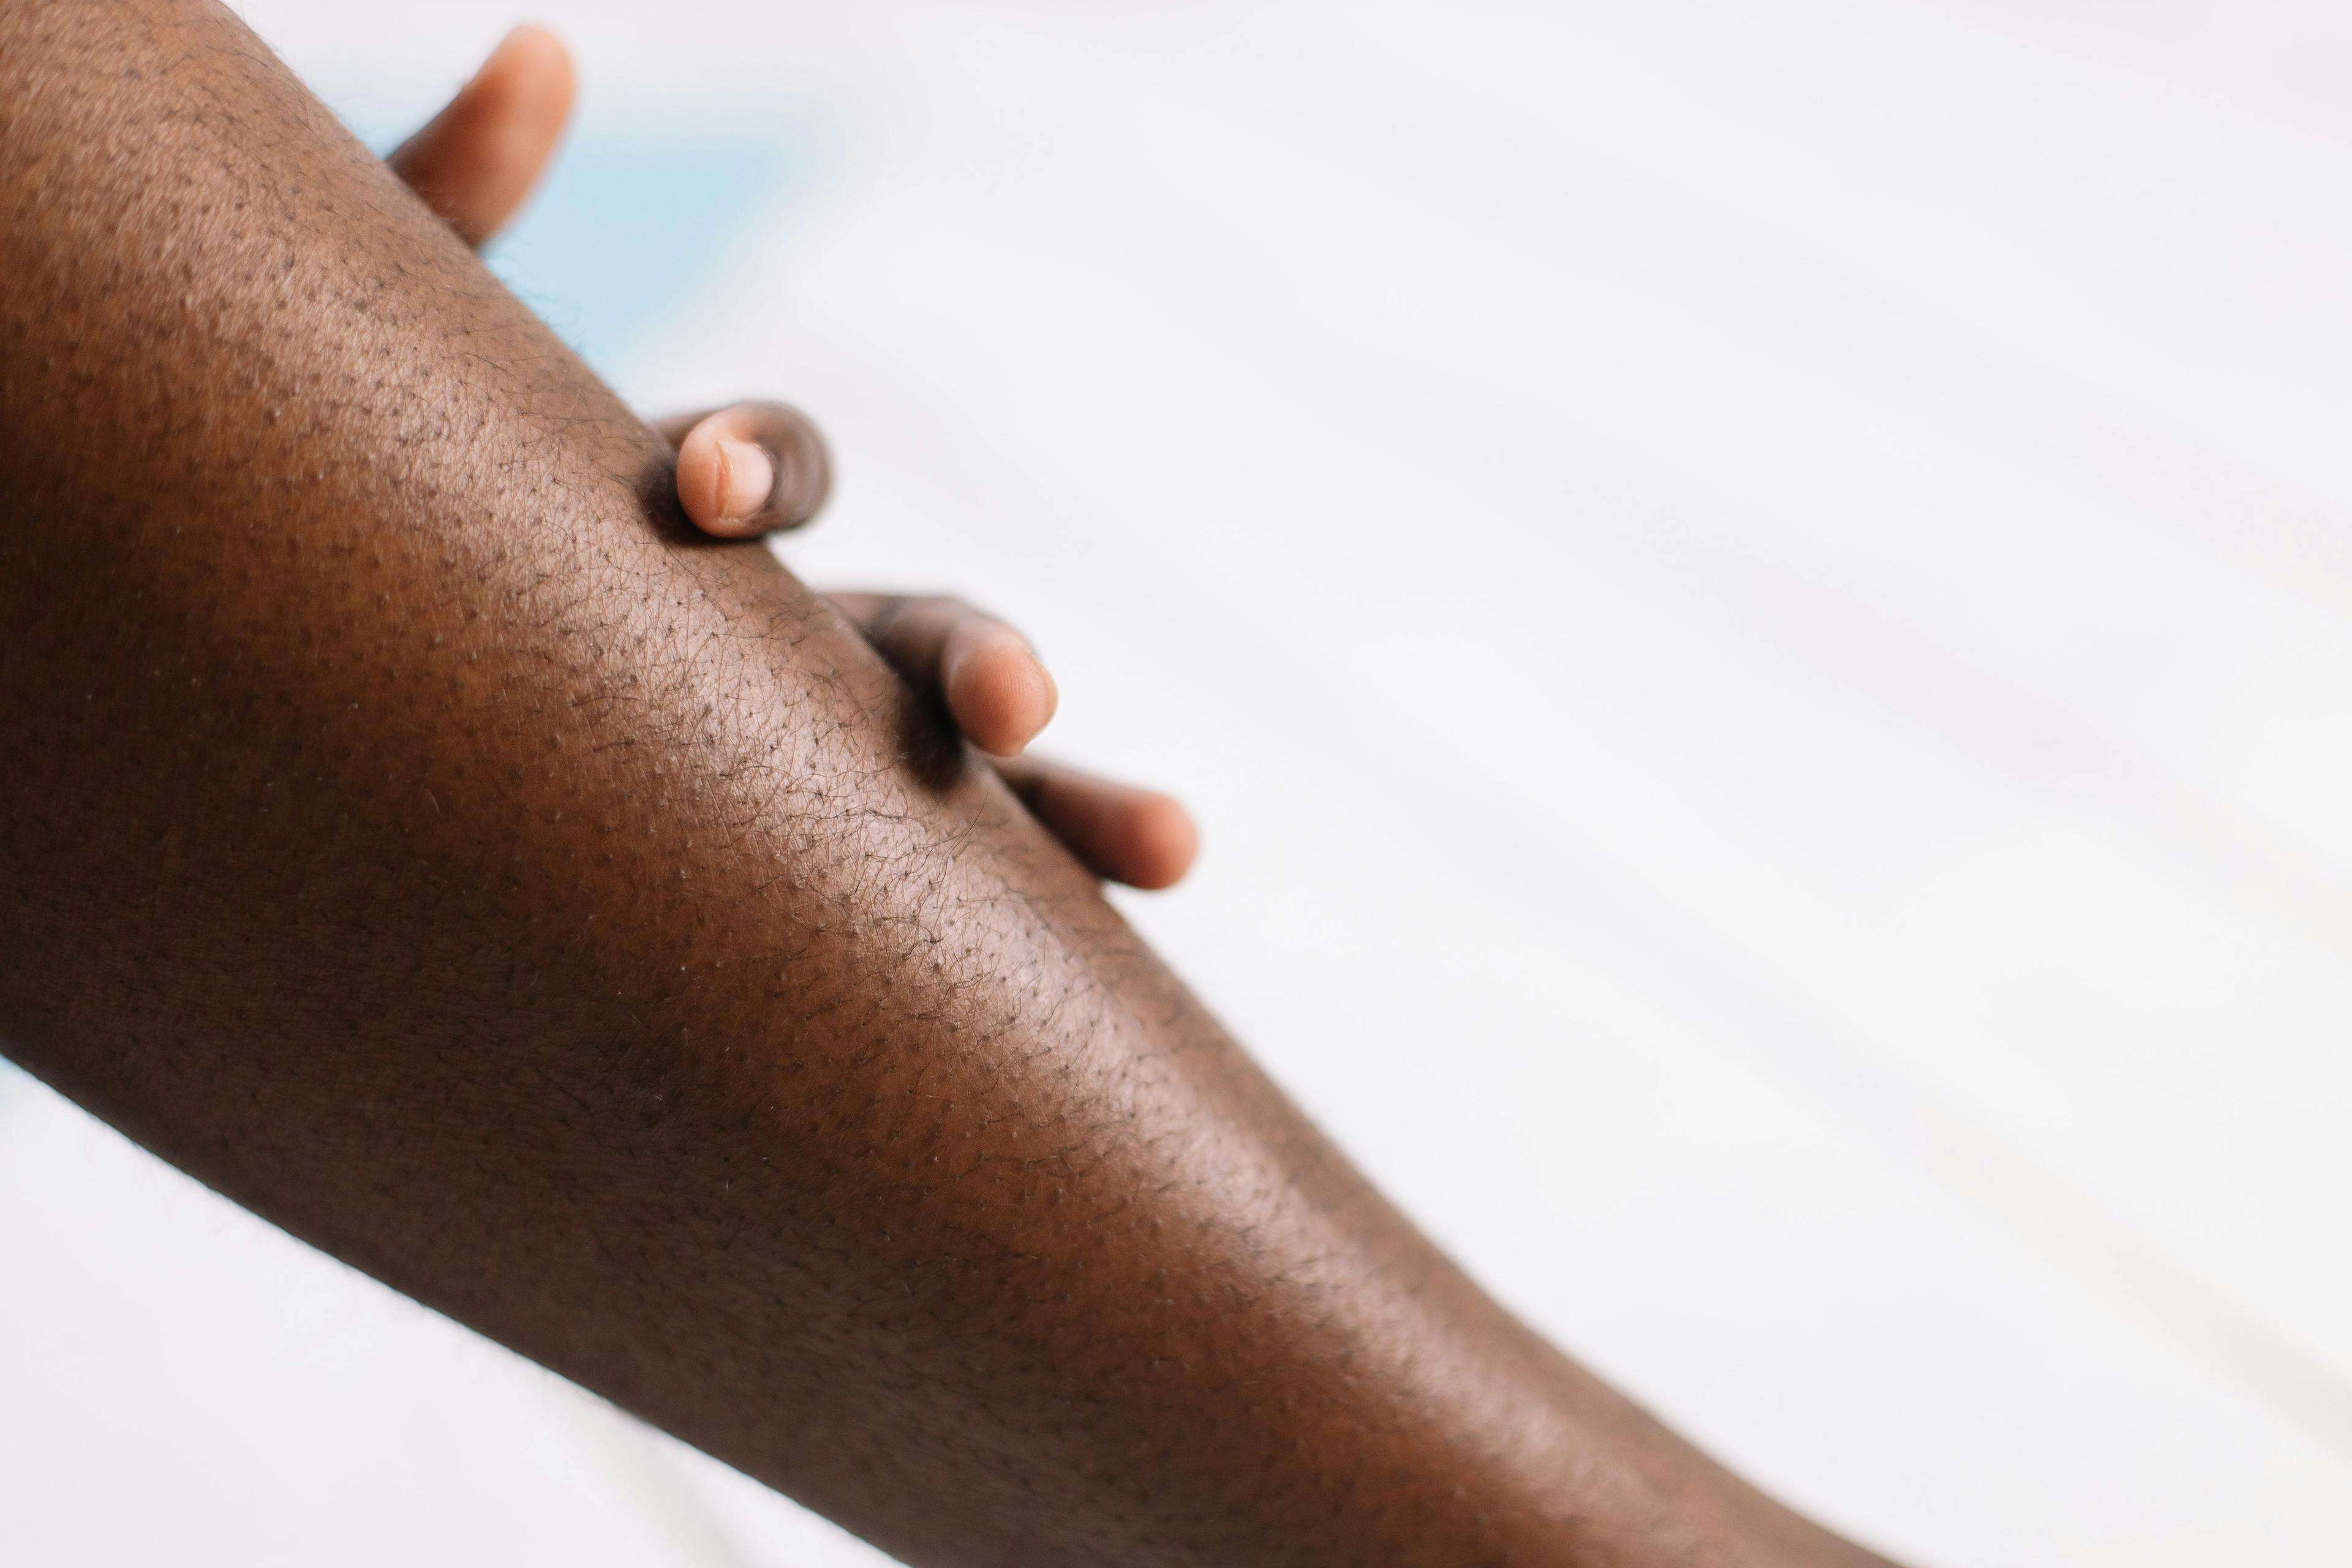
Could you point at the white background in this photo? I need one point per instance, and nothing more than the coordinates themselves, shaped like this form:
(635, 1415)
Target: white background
(1757, 603)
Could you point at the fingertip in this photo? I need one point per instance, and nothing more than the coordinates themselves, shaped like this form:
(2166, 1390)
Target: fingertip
(997, 691)
(533, 67)
(1162, 842)
(701, 476)
(723, 481)
(530, 39)
(1049, 701)
(746, 476)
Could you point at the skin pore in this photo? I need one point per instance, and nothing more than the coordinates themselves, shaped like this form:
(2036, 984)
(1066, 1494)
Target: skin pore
(421, 832)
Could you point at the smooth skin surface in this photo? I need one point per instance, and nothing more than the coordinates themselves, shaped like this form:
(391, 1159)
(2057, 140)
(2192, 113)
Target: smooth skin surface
(759, 468)
(419, 831)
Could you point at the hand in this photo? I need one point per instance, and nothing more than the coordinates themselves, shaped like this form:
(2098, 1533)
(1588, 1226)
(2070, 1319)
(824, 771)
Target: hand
(757, 468)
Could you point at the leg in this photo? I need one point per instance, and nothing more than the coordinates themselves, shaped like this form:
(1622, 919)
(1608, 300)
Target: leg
(423, 838)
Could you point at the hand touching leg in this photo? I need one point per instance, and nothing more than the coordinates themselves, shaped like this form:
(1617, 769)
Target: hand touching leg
(417, 831)
(758, 467)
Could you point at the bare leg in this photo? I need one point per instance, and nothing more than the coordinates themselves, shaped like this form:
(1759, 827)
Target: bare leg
(411, 830)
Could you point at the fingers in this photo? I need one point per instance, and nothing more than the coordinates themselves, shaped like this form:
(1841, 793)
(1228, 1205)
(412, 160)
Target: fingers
(1120, 833)
(475, 161)
(983, 670)
(750, 469)
(1000, 696)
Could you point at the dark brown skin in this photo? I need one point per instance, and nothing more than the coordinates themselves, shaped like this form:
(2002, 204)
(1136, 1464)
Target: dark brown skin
(413, 829)
(755, 467)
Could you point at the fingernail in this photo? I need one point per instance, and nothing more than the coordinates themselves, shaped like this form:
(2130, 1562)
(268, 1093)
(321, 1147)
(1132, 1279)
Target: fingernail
(746, 476)
(1052, 692)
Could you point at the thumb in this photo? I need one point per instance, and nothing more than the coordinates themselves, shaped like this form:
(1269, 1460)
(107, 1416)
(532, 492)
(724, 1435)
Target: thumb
(475, 161)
